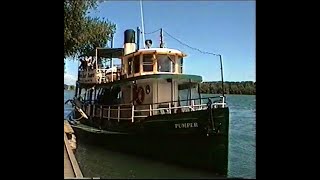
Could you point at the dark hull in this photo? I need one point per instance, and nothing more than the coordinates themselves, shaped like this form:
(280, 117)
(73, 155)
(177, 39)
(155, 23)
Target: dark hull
(160, 139)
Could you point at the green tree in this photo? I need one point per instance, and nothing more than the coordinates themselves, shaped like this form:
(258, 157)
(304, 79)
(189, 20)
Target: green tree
(72, 87)
(244, 87)
(81, 32)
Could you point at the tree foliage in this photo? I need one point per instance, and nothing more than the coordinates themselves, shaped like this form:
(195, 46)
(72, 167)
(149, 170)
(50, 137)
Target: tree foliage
(243, 87)
(69, 87)
(81, 32)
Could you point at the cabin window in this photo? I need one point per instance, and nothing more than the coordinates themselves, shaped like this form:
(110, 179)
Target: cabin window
(188, 91)
(180, 64)
(147, 62)
(165, 62)
(195, 94)
(173, 64)
(130, 65)
(136, 64)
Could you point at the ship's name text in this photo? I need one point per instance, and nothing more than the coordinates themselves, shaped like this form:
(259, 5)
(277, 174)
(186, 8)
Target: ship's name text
(186, 125)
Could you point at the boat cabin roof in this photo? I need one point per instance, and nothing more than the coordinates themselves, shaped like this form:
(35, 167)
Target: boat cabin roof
(158, 50)
(106, 52)
(118, 52)
(183, 78)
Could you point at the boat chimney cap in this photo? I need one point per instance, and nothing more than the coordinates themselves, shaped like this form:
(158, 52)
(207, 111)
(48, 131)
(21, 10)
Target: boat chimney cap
(148, 43)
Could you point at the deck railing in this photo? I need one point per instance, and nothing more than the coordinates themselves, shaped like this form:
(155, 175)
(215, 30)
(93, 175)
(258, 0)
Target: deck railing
(132, 112)
(101, 75)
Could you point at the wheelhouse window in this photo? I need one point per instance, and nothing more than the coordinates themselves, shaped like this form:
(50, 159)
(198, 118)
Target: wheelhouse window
(147, 62)
(187, 92)
(165, 63)
(173, 63)
(130, 65)
(136, 64)
(180, 64)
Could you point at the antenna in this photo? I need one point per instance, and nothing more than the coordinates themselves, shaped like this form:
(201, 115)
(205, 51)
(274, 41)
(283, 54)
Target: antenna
(142, 24)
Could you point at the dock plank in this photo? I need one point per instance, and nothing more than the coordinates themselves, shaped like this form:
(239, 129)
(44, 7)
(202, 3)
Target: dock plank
(67, 128)
(71, 167)
(68, 172)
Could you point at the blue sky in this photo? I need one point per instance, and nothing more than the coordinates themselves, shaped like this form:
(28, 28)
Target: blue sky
(222, 27)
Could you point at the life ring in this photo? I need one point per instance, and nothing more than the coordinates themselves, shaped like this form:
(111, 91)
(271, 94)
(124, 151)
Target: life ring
(138, 94)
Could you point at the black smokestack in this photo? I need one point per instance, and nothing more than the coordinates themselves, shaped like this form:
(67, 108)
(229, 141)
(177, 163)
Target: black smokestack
(129, 36)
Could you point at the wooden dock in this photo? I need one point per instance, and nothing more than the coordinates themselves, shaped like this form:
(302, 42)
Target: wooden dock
(71, 167)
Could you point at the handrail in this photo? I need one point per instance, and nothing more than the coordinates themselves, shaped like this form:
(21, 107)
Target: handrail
(100, 74)
(98, 110)
(164, 102)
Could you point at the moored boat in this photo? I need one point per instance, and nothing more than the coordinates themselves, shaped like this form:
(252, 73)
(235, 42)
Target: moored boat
(140, 100)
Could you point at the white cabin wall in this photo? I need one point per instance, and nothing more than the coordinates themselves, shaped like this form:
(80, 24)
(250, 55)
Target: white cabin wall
(155, 95)
(155, 91)
(164, 90)
(175, 90)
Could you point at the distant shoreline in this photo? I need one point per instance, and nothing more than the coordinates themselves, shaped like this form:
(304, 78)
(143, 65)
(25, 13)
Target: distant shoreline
(69, 87)
(241, 88)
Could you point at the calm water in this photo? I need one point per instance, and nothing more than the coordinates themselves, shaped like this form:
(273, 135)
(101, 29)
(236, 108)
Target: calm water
(98, 162)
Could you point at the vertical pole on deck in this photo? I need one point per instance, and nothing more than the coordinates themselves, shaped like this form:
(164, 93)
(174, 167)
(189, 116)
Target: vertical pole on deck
(138, 38)
(77, 88)
(96, 61)
(161, 39)
(111, 59)
(221, 74)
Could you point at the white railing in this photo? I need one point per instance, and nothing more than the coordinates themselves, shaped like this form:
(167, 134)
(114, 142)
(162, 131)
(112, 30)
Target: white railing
(101, 75)
(131, 112)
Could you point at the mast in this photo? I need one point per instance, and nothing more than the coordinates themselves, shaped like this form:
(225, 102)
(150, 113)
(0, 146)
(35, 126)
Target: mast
(142, 24)
(161, 39)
